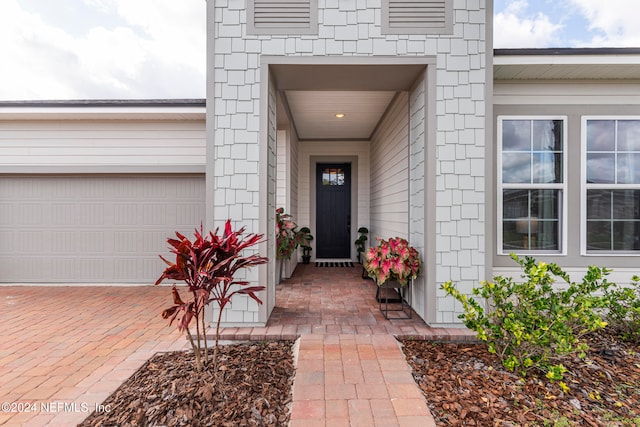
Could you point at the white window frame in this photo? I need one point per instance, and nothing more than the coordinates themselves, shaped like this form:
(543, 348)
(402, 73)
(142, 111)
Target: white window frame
(533, 186)
(584, 187)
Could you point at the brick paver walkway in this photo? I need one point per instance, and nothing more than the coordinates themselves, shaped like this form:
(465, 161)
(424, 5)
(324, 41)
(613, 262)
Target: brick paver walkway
(66, 349)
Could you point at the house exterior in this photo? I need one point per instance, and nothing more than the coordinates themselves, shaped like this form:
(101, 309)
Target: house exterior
(468, 153)
(89, 191)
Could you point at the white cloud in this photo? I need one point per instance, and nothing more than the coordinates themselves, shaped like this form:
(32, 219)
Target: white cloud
(514, 28)
(161, 53)
(615, 21)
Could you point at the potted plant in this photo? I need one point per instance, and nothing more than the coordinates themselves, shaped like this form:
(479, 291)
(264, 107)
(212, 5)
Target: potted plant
(393, 260)
(393, 264)
(288, 238)
(360, 242)
(305, 238)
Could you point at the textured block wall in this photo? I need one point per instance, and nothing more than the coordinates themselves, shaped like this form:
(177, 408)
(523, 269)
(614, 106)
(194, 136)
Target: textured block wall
(352, 28)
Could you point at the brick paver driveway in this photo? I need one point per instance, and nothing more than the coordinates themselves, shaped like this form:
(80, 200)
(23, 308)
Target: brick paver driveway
(63, 350)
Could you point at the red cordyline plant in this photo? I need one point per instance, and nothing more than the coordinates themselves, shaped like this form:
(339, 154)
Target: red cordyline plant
(393, 259)
(208, 265)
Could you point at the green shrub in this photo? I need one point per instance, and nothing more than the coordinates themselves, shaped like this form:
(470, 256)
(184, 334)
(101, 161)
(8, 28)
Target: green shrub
(533, 325)
(623, 313)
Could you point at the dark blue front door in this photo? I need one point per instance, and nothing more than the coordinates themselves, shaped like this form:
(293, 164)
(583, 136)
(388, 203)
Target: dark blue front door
(333, 210)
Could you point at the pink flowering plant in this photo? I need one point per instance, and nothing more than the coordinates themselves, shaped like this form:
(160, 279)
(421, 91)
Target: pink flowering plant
(393, 259)
(288, 238)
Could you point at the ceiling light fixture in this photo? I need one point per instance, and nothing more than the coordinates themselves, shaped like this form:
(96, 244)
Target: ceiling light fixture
(340, 115)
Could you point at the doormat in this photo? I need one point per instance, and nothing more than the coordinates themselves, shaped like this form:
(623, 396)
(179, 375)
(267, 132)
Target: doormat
(334, 264)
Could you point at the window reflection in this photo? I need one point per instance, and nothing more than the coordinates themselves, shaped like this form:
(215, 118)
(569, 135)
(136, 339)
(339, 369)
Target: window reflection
(533, 152)
(628, 168)
(629, 135)
(531, 219)
(600, 168)
(333, 176)
(613, 220)
(516, 135)
(613, 159)
(600, 135)
(532, 177)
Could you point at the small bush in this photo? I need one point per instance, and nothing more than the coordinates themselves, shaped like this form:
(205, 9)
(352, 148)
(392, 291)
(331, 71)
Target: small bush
(623, 313)
(533, 325)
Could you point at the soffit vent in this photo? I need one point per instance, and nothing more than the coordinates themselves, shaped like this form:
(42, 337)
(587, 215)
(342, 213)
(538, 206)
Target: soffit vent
(417, 16)
(283, 16)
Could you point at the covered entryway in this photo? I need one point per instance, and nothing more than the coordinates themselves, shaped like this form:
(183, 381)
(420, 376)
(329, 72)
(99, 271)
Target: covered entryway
(333, 215)
(325, 116)
(93, 228)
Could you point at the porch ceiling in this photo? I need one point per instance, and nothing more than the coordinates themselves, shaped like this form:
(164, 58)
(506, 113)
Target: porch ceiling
(314, 113)
(314, 93)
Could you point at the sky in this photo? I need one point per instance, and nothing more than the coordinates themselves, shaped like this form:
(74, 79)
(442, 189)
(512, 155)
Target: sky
(155, 49)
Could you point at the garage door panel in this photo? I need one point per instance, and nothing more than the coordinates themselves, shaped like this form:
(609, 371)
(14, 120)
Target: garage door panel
(112, 230)
(188, 215)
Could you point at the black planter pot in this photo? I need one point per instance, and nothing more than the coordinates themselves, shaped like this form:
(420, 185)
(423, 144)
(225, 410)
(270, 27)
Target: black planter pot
(305, 259)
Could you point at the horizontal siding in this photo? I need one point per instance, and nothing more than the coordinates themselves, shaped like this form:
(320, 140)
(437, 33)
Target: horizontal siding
(563, 92)
(97, 143)
(281, 183)
(390, 173)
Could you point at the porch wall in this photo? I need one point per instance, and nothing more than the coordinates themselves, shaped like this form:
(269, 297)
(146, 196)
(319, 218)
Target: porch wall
(287, 185)
(352, 28)
(390, 174)
(417, 209)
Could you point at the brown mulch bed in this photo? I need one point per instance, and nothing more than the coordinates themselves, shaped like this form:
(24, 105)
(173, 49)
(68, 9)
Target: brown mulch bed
(253, 389)
(465, 385)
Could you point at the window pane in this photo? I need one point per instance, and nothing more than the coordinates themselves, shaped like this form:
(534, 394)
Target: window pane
(600, 135)
(599, 235)
(628, 168)
(531, 219)
(544, 204)
(626, 204)
(626, 235)
(333, 176)
(600, 168)
(629, 135)
(516, 135)
(515, 204)
(511, 239)
(516, 168)
(547, 135)
(547, 168)
(599, 204)
(613, 220)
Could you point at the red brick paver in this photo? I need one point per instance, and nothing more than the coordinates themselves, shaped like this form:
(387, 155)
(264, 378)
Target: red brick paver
(358, 395)
(64, 350)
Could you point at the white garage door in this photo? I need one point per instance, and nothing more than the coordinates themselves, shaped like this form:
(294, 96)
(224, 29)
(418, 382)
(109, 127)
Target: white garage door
(93, 229)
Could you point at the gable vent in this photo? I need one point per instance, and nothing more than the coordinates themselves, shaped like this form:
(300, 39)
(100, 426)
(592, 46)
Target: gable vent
(282, 16)
(417, 16)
